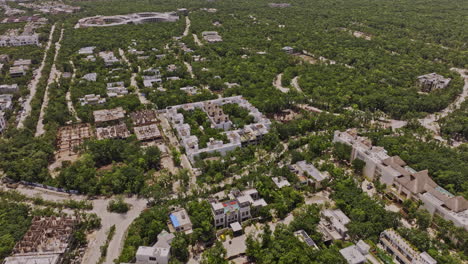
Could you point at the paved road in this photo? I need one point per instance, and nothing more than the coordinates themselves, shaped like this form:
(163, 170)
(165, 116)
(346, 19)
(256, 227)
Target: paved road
(53, 77)
(33, 84)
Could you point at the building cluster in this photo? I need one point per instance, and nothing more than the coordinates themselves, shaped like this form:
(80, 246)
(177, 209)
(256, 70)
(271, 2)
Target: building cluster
(402, 251)
(432, 81)
(47, 241)
(249, 134)
(403, 181)
(51, 7)
(145, 125)
(136, 18)
(23, 19)
(241, 206)
(211, 36)
(71, 137)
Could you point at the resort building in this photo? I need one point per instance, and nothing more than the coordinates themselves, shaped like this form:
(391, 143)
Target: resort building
(136, 18)
(403, 181)
(249, 134)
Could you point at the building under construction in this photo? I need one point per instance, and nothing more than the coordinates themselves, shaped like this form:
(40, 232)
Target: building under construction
(147, 133)
(116, 131)
(45, 242)
(108, 115)
(144, 117)
(70, 137)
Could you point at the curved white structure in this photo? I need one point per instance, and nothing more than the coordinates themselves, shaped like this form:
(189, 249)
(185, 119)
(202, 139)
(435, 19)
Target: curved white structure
(136, 18)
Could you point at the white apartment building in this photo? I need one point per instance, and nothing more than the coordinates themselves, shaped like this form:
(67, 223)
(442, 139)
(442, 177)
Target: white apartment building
(159, 253)
(403, 181)
(19, 40)
(116, 89)
(6, 101)
(92, 99)
(86, 50)
(238, 209)
(356, 254)
(9, 88)
(333, 225)
(402, 251)
(109, 58)
(249, 134)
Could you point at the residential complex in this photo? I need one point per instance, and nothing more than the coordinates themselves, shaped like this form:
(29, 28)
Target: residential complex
(403, 181)
(239, 208)
(249, 134)
(19, 40)
(402, 251)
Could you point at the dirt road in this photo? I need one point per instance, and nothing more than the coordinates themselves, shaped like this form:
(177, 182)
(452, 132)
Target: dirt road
(32, 86)
(277, 83)
(53, 77)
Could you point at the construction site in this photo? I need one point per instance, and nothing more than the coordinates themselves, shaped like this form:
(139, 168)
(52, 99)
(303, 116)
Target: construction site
(107, 115)
(143, 117)
(115, 131)
(45, 242)
(71, 137)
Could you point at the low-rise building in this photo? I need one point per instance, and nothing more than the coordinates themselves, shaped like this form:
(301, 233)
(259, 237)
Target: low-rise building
(401, 250)
(159, 253)
(280, 182)
(91, 77)
(86, 50)
(304, 237)
(308, 174)
(116, 89)
(18, 71)
(288, 50)
(109, 58)
(333, 225)
(239, 208)
(9, 88)
(356, 254)
(403, 181)
(191, 90)
(6, 102)
(211, 36)
(92, 99)
(432, 81)
(180, 221)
